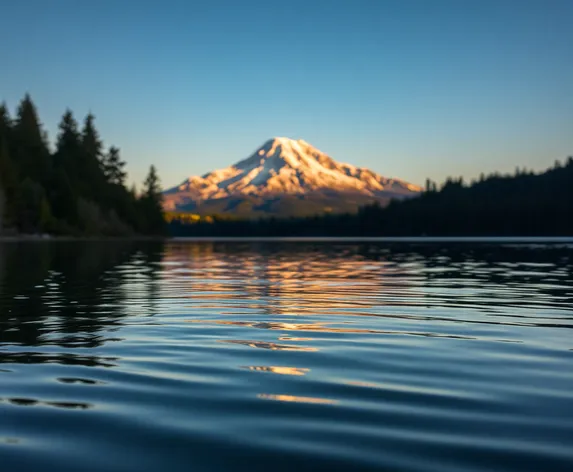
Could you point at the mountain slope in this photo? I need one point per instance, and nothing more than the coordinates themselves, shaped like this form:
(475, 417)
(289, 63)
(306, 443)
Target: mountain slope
(285, 177)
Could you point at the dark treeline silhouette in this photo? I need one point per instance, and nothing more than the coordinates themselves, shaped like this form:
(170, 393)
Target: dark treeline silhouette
(523, 204)
(78, 189)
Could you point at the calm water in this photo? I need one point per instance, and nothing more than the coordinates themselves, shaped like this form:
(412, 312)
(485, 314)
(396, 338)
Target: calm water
(285, 356)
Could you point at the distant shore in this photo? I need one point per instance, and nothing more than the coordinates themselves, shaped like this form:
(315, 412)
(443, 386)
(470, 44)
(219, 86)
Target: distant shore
(389, 239)
(358, 239)
(51, 238)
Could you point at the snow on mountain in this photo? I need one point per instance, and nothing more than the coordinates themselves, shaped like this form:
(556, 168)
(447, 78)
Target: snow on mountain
(282, 167)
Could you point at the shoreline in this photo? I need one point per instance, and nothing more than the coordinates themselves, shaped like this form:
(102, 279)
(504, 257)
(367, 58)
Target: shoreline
(50, 238)
(389, 239)
(365, 239)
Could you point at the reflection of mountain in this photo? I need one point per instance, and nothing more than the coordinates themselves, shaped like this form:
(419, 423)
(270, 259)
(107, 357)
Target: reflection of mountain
(297, 399)
(277, 326)
(305, 278)
(278, 279)
(269, 346)
(280, 370)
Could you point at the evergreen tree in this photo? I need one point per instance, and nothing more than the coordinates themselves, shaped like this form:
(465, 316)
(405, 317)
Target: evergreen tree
(5, 121)
(151, 203)
(66, 184)
(113, 167)
(89, 164)
(35, 211)
(8, 183)
(152, 186)
(2, 202)
(8, 174)
(428, 186)
(63, 200)
(68, 146)
(90, 138)
(28, 147)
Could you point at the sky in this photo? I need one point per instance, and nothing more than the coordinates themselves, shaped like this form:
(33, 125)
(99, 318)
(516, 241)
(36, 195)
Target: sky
(409, 88)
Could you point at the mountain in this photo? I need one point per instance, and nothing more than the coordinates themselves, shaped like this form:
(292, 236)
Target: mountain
(287, 178)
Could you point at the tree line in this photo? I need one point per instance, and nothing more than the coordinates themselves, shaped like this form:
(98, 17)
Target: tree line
(77, 189)
(522, 204)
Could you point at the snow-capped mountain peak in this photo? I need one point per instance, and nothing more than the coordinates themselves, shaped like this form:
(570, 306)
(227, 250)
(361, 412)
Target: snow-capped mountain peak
(283, 166)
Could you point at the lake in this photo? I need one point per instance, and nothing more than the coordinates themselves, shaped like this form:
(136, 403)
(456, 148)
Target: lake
(286, 355)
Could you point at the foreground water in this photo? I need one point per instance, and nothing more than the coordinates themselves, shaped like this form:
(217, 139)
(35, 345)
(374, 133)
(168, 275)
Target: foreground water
(285, 356)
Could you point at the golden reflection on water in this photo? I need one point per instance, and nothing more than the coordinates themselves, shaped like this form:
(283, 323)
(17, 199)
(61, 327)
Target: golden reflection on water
(357, 383)
(296, 399)
(269, 345)
(321, 327)
(276, 325)
(309, 285)
(278, 369)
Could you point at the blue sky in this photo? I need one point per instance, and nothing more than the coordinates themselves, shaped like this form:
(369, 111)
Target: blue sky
(409, 88)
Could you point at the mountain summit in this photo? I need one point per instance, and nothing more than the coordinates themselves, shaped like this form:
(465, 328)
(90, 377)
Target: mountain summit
(290, 170)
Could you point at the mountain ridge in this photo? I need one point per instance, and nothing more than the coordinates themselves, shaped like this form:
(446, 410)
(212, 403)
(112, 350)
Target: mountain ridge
(285, 168)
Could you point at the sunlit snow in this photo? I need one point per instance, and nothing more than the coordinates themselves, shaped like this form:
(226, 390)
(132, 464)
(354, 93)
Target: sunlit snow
(286, 166)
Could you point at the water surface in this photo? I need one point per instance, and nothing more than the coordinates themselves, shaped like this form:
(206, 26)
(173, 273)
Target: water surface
(286, 356)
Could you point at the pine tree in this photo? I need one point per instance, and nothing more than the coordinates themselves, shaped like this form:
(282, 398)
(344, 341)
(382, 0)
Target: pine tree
(29, 148)
(90, 138)
(89, 164)
(113, 167)
(6, 164)
(35, 211)
(151, 203)
(63, 199)
(66, 185)
(5, 121)
(68, 147)
(1, 208)
(69, 138)
(8, 183)
(152, 187)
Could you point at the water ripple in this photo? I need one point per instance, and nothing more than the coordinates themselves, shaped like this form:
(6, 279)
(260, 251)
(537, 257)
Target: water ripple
(285, 355)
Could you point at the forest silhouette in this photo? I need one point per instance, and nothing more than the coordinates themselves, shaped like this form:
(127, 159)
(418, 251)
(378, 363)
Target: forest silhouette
(77, 189)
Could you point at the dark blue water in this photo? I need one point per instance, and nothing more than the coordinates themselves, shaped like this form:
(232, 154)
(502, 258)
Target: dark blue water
(193, 356)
